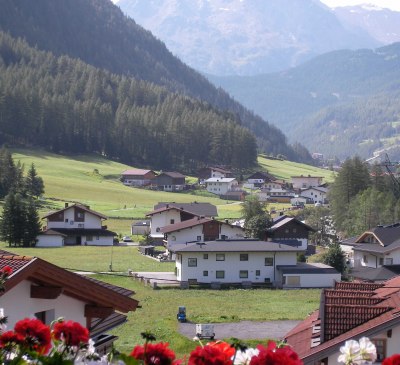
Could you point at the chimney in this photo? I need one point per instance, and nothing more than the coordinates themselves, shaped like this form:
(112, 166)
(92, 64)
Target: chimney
(66, 205)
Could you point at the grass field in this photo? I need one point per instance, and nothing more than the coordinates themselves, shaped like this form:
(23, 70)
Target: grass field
(159, 307)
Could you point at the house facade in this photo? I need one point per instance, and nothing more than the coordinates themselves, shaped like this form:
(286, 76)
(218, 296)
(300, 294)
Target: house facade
(170, 181)
(220, 186)
(137, 177)
(76, 224)
(209, 172)
(243, 261)
(304, 182)
(350, 311)
(47, 292)
(200, 229)
(315, 194)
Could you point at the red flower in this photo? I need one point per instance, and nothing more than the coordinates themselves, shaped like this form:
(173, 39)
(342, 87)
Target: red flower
(72, 333)
(6, 270)
(214, 353)
(154, 354)
(272, 355)
(392, 360)
(10, 338)
(36, 334)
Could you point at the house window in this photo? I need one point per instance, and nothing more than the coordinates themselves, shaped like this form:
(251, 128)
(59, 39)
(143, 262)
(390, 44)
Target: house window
(220, 274)
(205, 256)
(172, 221)
(192, 262)
(258, 272)
(66, 220)
(292, 280)
(244, 257)
(380, 349)
(243, 274)
(198, 238)
(81, 225)
(46, 316)
(389, 261)
(287, 230)
(381, 261)
(89, 238)
(294, 230)
(220, 257)
(269, 261)
(205, 273)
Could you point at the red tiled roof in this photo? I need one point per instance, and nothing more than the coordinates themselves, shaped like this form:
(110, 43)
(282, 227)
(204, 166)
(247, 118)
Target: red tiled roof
(350, 310)
(16, 262)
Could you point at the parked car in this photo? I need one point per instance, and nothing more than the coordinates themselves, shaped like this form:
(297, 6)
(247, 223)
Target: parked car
(126, 239)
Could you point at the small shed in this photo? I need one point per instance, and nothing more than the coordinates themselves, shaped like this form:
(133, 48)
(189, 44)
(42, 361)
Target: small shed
(140, 227)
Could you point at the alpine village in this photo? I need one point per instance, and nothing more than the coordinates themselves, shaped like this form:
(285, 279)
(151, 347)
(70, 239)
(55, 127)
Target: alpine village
(199, 182)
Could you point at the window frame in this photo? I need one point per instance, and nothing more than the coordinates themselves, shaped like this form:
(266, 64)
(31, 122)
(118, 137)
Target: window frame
(244, 257)
(192, 261)
(220, 257)
(218, 274)
(268, 259)
(243, 274)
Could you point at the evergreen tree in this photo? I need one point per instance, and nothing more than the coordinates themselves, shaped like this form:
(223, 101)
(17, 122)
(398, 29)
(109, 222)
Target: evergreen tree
(12, 223)
(335, 258)
(257, 220)
(34, 185)
(32, 226)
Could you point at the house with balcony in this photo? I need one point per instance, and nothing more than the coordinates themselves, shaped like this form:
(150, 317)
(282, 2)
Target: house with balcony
(169, 181)
(200, 229)
(209, 172)
(304, 182)
(138, 177)
(375, 254)
(37, 288)
(249, 262)
(317, 194)
(221, 186)
(350, 311)
(75, 224)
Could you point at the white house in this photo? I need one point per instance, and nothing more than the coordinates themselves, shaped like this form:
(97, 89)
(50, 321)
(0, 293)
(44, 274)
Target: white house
(75, 224)
(377, 247)
(303, 182)
(316, 194)
(274, 184)
(200, 229)
(350, 311)
(244, 261)
(37, 288)
(221, 186)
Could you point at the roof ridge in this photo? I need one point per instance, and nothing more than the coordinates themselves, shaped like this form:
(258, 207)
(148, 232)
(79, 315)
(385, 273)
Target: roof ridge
(16, 257)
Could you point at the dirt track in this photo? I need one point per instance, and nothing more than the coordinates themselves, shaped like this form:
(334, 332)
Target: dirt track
(244, 330)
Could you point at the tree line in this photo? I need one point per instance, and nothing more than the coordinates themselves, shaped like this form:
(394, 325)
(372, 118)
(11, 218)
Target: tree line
(19, 222)
(67, 106)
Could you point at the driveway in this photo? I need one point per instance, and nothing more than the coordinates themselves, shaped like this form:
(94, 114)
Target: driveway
(244, 330)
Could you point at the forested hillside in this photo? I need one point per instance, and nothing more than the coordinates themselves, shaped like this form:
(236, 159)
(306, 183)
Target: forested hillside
(68, 106)
(97, 32)
(341, 103)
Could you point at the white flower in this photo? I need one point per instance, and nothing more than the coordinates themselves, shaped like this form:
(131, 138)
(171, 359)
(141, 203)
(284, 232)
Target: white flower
(367, 349)
(244, 357)
(350, 353)
(195, 338)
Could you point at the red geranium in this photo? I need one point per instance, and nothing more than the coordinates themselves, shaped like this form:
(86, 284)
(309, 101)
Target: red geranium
(72, 333)
(154, 354)
(214, 353)
(36, 334)
(392, 360)
(271, 354)
(10, 338)
(6, 270)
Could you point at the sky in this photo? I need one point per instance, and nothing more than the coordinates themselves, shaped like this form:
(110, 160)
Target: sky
(391, 4)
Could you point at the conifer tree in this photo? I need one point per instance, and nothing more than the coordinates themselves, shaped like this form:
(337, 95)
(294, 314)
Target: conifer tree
(34, 185)
(32, 226)
(12, 222)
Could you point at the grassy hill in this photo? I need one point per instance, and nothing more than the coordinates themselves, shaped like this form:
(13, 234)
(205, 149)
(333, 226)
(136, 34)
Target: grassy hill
(94, 181)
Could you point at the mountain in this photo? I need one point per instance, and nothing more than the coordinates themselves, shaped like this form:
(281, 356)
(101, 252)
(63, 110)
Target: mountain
(245, 37)
(341, 103)
(380, 23)
(99, 34)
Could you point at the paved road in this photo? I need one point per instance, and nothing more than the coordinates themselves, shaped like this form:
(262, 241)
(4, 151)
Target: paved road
(244, 330)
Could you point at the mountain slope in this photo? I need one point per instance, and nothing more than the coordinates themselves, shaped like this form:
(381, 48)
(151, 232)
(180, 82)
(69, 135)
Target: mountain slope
(245, 37)
(346, 82)
(97, 32)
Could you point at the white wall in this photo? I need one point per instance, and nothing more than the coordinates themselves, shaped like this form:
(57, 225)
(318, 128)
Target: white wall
(315, 280)
(232, 266)
(91, 221)
(315, 195)
(163, 219)
(372, 260)
(305, 181)
(18, 305)
(221, 187)
(97, 241)
(46, 240)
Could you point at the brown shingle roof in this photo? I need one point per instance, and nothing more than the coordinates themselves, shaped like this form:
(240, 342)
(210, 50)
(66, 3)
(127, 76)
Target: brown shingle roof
(80, 206)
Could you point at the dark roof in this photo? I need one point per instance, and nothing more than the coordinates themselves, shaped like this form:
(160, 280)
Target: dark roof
(172, 174)
(376, 247)
(192, 223)
(83, 232)
(307, 268)
(52, 232)
(74, 285)
(385, 234)
(349, 311)
(282, 222)
(200, 209)
(264, 174)
(380, 274)
(80, 206)
(235, 246)
(144, 223)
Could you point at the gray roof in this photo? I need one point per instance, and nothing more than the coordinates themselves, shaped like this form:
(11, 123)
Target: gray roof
(200, 209)
(375, 274)
(286, 220)
(235, 246)
(376, 247)
(307, 268)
